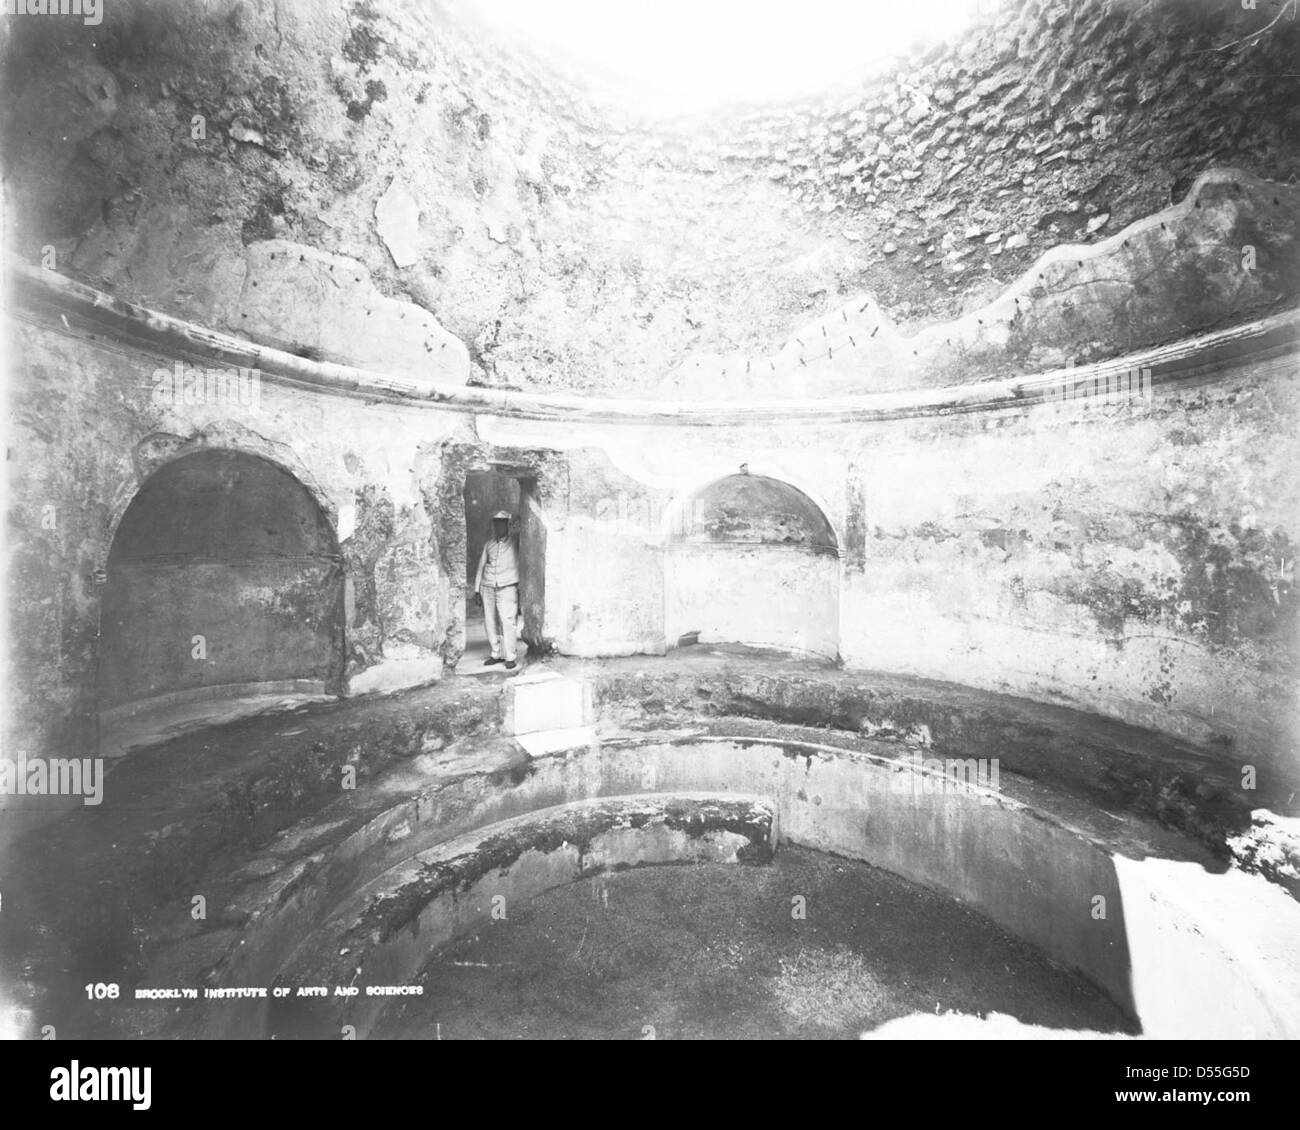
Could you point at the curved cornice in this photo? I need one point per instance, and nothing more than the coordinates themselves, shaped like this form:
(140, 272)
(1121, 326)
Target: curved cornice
(66, 306)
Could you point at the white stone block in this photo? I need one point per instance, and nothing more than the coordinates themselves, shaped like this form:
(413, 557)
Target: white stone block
(552, 741)
(546, 701)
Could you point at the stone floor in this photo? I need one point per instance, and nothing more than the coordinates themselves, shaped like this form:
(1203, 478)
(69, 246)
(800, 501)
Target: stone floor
(712, 952)
(152, 727)
(477, 648)
(158, 724)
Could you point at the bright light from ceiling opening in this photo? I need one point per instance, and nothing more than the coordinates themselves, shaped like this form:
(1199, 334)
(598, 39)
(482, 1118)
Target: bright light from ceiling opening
(682, 55)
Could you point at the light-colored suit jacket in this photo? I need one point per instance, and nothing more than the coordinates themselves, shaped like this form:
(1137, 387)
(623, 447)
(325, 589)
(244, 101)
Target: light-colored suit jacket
(499, 563)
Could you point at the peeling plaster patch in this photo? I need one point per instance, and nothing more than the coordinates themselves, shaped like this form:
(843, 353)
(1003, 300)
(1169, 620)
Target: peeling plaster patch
(1162, 272)
(397, 219)
(347, 521)
(242, 131)
(395, 675)
(328, 308)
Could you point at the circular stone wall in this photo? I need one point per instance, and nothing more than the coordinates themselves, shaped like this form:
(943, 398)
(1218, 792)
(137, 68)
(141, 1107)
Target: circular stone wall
(1053, 873)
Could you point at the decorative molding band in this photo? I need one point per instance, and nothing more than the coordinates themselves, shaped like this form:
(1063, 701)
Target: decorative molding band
(52, 300)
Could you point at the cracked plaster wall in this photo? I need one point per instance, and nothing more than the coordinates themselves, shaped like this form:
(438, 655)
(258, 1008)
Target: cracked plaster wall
(1133, 558)
(508, 227)
(380, 159)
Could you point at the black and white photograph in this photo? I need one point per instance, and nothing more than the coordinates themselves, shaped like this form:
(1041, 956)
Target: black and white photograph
(728, 520)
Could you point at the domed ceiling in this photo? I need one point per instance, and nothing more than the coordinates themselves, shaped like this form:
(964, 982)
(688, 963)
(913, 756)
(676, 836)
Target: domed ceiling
(570, 241)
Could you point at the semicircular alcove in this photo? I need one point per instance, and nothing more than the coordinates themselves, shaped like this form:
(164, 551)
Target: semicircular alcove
(751, 559)
(224, 573)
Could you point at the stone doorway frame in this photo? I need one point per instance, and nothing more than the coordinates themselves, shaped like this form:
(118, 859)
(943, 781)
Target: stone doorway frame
(543, 482)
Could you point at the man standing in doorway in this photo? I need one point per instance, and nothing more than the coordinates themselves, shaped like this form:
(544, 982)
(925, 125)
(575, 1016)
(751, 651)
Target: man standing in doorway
(498, 574)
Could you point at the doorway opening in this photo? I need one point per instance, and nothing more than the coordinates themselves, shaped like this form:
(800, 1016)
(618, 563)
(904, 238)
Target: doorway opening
(488, 493)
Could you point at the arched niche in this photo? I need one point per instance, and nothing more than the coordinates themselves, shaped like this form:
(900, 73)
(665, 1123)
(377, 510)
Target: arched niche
(224, 577)
(751, 559)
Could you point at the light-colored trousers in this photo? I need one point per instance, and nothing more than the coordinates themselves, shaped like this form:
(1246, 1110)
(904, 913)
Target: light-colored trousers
(500, 607)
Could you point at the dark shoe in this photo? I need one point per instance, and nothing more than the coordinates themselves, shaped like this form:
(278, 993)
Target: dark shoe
(491, 659)
(511, 664)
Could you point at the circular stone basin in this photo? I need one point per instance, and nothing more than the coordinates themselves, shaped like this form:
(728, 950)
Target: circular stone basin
(731, 952)
(1002, 871)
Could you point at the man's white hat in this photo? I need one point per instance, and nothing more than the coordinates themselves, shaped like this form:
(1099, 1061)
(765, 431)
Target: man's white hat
(502, 514)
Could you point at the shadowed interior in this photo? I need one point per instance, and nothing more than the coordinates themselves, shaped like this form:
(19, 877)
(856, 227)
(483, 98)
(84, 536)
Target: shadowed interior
(231, 548)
